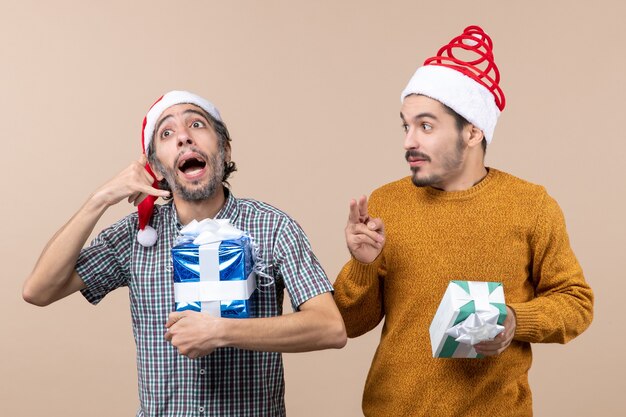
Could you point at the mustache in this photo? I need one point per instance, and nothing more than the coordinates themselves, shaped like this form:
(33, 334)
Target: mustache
(192, 149)
(412, 153)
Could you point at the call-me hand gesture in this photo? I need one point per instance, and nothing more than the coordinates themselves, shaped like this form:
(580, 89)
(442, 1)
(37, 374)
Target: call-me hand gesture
(54, 275)
(133, 183)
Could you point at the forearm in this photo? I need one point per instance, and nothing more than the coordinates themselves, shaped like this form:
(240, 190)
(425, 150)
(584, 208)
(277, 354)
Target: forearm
(555, 317)
(54, 276)
(359, 296)
(562, 306)
(316, 326)
(301, 331)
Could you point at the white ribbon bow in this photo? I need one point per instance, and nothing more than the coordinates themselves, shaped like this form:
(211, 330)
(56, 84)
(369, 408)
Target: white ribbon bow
(476, 328)
(210, 231)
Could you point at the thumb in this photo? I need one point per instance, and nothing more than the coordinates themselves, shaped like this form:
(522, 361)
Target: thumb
(376, 225)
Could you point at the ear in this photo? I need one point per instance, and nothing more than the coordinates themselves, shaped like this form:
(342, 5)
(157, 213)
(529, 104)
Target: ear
(474, 136)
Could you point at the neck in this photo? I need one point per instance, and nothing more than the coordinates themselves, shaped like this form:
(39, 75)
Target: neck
(200, 209)
(471, 172)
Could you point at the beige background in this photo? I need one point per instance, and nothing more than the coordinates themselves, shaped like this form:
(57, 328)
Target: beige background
(310, 92)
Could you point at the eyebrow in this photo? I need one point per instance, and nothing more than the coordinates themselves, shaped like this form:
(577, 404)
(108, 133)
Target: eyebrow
(421, 115)
(194, 111)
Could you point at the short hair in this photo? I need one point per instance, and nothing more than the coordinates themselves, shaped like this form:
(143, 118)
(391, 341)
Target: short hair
(223, 141)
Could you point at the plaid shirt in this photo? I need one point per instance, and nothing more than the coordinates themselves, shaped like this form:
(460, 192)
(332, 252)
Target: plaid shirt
(229, 381)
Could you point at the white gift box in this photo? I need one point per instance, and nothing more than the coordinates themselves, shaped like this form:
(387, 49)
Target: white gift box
(469, 312)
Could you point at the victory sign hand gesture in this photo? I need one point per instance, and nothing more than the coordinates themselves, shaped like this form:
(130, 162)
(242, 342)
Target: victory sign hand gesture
(365, 236)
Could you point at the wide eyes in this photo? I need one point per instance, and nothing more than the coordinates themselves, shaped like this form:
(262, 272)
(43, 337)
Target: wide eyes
(196, 124)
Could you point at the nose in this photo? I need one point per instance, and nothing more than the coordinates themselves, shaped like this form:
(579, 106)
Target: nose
(184, 138)
(410, 140)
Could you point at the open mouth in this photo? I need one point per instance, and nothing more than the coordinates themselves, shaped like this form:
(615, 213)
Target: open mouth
(191, 164)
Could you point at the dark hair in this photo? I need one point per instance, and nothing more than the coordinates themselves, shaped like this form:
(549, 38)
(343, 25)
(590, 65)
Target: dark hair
(224, 141)
(461, 122)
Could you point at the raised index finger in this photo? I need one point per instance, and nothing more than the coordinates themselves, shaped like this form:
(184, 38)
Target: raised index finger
(353, 216)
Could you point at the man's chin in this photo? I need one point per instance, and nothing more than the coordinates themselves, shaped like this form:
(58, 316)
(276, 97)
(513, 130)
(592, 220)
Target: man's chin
(422, 180)
(196, 190)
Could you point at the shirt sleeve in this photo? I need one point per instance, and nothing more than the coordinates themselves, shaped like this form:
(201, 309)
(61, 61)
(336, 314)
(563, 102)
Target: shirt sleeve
(104, 264)
(563, 304)
(302, 273)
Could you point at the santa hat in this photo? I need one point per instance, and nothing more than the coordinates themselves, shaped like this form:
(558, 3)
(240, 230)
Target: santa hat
(147, 236)
(469, 87)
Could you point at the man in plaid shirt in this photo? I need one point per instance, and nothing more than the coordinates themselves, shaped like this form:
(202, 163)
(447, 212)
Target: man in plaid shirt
(190, 363)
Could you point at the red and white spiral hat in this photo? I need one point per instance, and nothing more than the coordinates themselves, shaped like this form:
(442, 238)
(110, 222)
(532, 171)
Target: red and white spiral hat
(147, 236)
(470, 87)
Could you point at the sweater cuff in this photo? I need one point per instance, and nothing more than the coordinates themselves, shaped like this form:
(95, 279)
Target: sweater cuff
(362, 273)
(528, 322)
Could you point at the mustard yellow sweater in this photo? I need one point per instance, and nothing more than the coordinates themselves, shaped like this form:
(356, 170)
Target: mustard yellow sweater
(502, 229)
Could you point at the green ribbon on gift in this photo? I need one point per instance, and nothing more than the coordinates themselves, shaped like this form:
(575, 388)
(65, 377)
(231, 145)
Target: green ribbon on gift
(450, 345)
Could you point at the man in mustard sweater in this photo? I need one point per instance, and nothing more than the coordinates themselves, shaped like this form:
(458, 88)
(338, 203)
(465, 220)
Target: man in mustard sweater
(455, 219)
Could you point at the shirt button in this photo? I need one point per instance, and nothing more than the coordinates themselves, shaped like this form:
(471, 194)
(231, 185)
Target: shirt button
(202, 371)
(201, 409)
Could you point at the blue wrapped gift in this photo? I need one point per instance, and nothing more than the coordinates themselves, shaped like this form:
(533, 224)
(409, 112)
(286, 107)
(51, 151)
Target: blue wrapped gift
(213, 272)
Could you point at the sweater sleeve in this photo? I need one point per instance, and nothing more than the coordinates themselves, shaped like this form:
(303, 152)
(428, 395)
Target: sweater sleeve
(563, 304)
(359, 295)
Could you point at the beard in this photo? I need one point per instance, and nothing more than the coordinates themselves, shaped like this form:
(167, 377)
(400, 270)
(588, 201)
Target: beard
(424, 181)
(450, 163)
(215, 167)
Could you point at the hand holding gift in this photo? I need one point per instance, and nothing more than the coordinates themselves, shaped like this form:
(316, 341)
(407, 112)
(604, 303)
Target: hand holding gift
(501, 341)
(193, 334)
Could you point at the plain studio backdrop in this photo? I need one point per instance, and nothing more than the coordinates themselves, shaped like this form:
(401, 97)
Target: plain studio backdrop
(310, 92)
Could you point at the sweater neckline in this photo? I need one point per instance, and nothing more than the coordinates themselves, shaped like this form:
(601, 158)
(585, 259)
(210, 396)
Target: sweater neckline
(475, 189)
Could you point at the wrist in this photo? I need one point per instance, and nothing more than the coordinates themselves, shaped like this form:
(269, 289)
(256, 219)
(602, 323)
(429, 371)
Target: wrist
(224, 332)
(97, 202)
(367, 262)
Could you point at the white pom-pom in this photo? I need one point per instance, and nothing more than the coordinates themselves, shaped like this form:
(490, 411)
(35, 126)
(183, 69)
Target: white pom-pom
(147, 237)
